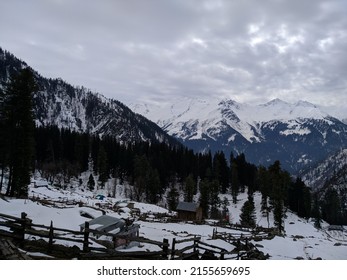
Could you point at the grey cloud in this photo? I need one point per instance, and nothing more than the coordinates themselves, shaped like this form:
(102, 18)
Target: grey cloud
(133, 50)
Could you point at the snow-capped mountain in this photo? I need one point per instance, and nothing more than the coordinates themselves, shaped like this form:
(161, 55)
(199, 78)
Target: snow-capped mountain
(77, 108)
(297, 134)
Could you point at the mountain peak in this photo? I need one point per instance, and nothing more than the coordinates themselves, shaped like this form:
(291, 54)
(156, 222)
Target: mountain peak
(304, 103)
(230, 103)
(274, 102)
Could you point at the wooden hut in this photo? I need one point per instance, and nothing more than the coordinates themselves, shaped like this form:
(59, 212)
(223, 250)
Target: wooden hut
(189, 211)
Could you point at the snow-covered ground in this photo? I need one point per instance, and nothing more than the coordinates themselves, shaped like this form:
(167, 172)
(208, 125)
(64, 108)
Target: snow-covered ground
(301, 240)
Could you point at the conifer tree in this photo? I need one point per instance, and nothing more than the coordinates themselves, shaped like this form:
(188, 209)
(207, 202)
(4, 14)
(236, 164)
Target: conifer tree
(234, 181)
(279, 181)
(214, 200)
(153, 186)
(204, 197)
(242, 175)
(102, 166)
(331, 207)
(225, 203)
(316, 213)
(279, 215)
(172, 198)
(189, 188)
(299, 198)
(3, 153)
(141, 172)
(90, 163)
(264, 185)
(247, 216)
(221, 171)
(18, 131)
(91, 183)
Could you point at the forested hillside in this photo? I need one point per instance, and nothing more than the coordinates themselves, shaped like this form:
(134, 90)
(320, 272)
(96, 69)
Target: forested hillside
(56, 102)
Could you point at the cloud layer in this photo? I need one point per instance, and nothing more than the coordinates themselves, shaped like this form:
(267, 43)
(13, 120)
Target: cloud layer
(153, 50)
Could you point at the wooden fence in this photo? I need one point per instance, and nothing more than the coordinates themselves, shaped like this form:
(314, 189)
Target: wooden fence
(25, 233)
(242, 242)
(251, 235)
(82, 244)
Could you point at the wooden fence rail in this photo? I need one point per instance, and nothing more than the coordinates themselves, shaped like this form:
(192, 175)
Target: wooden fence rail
(20, 229)
(183, 253)
(255, 235)
(23, 230)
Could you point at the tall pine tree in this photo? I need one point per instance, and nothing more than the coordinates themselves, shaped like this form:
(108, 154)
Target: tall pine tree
(247, 216)
(316, 213)
(102, 166)
(172, 198)
(3, 153)
(204, 197)
(189, 188)
(18, 122)
(235, 183)
(91, 182)
(279, 183)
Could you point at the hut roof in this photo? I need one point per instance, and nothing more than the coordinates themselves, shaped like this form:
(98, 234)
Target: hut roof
(187, 206)
(105, 221)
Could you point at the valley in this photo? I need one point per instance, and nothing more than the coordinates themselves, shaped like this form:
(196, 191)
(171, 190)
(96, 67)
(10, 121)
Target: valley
(300, 241)
(240, 164)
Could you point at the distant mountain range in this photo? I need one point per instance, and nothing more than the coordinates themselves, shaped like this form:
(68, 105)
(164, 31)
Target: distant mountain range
(79, 109)
(299, 134)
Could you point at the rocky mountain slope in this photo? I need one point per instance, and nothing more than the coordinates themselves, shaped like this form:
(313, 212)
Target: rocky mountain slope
(328, 180)
(333, 168)
(77, 108)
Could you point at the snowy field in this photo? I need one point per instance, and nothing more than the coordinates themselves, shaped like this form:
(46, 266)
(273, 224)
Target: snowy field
(301, 240)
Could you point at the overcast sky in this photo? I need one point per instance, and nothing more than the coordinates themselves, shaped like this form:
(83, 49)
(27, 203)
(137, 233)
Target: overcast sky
(155, 50)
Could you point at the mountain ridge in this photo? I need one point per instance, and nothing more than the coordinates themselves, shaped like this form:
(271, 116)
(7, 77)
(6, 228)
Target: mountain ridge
(81, 110)
(298, 134)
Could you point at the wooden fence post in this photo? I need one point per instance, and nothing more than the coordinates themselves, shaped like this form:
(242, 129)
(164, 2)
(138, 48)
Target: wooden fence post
(86, 237)
(173, 248)
(165, 248)
(50, 238)
(23, 217)
(195, 244)
(214, 234)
